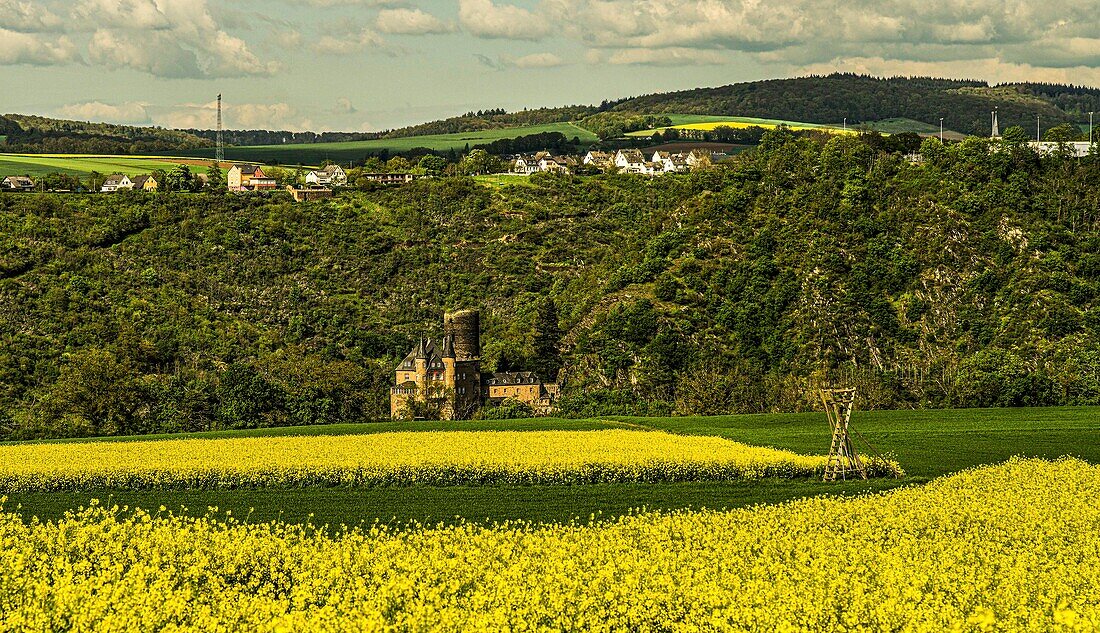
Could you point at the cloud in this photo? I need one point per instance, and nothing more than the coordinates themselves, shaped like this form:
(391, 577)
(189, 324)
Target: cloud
(345, 106)
(132, 113)
(129, 14)
(666, 57)
(482, 18)
(35, 50)
(538, 60)
(240, 116)
(166, 38)
(365, 3)
(25, 17)
(991, 69)
(410, 22)
(349, 44)
(805, 32)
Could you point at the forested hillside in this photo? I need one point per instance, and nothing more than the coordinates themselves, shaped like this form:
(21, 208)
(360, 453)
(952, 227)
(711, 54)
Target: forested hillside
(970, 280)
(41, 135)
(964, 105)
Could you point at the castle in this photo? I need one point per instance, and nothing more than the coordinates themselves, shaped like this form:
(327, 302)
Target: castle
(442, 379)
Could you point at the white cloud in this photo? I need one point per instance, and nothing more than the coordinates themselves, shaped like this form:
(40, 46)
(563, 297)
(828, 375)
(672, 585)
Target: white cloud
(409, 22)
(35, 49)
(803, 32)
(240, 116)
(991, 69)
(127, 113)
(349, 44)
(482, 18)
(364, 3)
(345, 106)
(128, 14)
(166, 38)
(26, 17)
(538, 60)
(666, 57)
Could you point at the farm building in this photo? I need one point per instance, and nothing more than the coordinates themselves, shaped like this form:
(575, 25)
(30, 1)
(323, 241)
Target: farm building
(17, 183)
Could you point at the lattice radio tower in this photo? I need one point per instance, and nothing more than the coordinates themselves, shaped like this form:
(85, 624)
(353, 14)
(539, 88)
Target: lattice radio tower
(219, 150)
(843, 459)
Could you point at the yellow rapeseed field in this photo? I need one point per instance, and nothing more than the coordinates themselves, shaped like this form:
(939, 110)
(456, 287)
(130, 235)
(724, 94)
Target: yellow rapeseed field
(1014, 547)
(385, 459)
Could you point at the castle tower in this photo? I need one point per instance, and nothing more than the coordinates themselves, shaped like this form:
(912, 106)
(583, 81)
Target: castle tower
(448, 361)
(422, 366)
(465, 328)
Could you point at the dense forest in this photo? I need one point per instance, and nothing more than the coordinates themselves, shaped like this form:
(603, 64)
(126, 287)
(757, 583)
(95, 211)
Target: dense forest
(971, 279)
(245, 138)
(40, 135)
(964, 105)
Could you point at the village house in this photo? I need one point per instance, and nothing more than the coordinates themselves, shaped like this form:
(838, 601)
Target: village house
(631, 161)
(249, 178)
(600, 160)
(525, 165)
(145, 183)
(330, 176)
(17, 183)
(442, 377)
(115, 183)
(543, 162)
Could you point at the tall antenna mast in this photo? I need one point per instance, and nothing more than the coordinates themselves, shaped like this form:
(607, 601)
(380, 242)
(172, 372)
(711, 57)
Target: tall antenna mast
(219, 151)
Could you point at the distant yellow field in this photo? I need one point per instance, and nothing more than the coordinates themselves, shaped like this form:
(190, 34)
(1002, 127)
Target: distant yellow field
(403, 458)
(743, 124)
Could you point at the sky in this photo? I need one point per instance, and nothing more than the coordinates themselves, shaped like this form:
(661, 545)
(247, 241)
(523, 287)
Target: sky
(368, 65)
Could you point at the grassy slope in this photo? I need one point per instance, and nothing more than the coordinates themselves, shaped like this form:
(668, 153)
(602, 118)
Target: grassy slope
(314, 154)
(37, 165)
(928, 443)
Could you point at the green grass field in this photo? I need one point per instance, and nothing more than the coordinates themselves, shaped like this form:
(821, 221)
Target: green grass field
(80, 165)
(927, 443)
(316, 153)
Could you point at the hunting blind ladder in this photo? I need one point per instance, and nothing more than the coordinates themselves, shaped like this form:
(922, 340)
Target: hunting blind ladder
(843, 459)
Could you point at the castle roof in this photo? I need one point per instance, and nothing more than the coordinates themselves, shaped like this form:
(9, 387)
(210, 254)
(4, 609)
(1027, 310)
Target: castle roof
(449, 346)
(514, 378)
(426, 349)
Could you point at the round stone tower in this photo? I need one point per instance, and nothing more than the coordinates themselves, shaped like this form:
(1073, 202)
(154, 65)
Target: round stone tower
(465, 327)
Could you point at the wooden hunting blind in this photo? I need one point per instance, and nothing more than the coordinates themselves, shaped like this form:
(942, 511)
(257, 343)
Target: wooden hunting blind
(843, 459)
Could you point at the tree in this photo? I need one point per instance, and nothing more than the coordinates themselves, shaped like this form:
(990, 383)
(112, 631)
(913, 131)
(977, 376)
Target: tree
(547, 341)
(246, 399)
(1064, 133)
(432, 165)
(1015, 135)
(215, 179)
(179, 179)
(479, 162)
(398, 165)
(97, 393)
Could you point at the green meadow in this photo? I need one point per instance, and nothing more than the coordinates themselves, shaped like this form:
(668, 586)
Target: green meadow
(316, 153)
(927, 443)
(80, 165)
